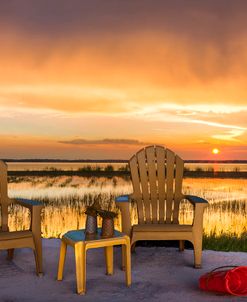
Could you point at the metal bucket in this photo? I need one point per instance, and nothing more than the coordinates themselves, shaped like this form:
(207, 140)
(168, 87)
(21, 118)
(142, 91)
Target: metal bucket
(91, 225)
(107, 230)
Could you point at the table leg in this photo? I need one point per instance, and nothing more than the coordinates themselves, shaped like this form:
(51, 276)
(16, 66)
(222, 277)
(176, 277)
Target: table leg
(62, 256)
(109, 259)
(80, 264)
(126, 249)
(123, 258)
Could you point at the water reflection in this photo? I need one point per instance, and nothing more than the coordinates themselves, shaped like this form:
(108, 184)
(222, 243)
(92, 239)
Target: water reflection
(65, 199)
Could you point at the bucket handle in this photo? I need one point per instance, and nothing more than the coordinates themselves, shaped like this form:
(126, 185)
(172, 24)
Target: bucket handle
(217, 268)
(224, 266)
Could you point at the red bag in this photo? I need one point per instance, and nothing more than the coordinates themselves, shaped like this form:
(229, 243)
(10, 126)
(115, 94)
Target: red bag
(228, 281)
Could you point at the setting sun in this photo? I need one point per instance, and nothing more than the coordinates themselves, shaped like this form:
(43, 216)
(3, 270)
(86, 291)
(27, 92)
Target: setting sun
(215, 151)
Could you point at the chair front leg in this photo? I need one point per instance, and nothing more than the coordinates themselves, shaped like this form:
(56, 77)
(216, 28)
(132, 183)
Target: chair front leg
(125, 216)
(36, 230)
(198, 233)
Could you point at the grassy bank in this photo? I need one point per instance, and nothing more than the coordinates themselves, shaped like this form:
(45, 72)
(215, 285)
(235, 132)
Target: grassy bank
(225, 242)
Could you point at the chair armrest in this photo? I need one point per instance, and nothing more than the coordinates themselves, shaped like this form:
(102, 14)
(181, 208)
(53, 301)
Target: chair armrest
(35, 207)
(123, 198)
(200, 204)
(196, 200)
(27, 203)
(123, 202)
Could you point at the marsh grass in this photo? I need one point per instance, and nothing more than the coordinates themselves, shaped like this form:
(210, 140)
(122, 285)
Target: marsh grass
(65, 199)
(225, 242)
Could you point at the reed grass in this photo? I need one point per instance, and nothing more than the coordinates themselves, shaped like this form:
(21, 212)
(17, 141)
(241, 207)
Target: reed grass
(65, 200)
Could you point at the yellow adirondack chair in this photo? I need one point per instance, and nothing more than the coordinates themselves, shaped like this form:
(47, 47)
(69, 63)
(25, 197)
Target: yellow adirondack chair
(19, 239)
(157, 175)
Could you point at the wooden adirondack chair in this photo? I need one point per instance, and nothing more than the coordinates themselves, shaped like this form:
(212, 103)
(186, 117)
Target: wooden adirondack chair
(19, 239)
(157, 175)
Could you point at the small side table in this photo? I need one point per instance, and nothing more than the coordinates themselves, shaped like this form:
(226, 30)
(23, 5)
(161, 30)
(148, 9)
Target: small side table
(82, 242)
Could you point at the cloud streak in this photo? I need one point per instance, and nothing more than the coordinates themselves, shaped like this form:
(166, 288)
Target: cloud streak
(175, 113)
(230, 135)
(218, 125)
(106, 141)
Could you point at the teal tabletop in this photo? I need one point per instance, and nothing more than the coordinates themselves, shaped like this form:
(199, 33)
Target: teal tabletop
(80, 235)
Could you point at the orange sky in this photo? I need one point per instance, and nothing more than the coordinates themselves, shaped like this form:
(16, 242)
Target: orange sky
(87, 79)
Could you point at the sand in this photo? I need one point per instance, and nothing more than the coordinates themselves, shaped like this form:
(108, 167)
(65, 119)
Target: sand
(158, 274)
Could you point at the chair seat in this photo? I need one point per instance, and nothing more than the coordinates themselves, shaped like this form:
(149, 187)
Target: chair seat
(15, 235)
(162, 227)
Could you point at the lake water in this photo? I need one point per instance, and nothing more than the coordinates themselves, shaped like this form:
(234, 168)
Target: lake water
(65, 199)
(22, 166)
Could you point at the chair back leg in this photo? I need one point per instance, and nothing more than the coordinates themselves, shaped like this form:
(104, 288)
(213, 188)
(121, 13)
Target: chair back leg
(181, 245)
(10, 254)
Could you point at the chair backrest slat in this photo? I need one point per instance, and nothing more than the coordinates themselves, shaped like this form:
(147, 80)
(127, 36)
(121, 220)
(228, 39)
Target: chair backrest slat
(178, 187)
(152, 177)
(170, 160)
(137, 194)
(157, 175)
(161, 157)
(4, 200)
(141, 158)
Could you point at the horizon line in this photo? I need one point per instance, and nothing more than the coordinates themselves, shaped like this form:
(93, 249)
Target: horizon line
(111, 160)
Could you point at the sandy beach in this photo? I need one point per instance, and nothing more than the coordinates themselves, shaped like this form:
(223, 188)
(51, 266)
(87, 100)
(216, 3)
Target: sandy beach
(158, 274)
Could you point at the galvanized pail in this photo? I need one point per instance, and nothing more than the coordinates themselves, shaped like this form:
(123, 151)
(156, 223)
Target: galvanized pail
(91, 225)
(107, 228)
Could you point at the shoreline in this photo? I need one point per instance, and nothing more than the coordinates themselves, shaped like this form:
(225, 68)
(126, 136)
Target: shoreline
(110, 174)
(49, 160)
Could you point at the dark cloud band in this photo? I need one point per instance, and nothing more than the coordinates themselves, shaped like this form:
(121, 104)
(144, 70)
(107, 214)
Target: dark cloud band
(205, 20)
